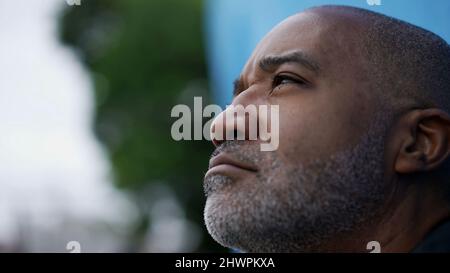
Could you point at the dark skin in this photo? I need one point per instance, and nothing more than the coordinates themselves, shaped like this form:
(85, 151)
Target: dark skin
(321, 86)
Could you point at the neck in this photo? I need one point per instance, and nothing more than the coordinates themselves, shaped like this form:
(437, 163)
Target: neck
(411, 220)
(408, 216)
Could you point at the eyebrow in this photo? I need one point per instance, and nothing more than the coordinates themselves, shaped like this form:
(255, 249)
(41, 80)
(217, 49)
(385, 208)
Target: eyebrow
(272, 62)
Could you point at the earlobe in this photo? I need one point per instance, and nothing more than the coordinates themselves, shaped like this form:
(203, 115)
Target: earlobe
(425, 141)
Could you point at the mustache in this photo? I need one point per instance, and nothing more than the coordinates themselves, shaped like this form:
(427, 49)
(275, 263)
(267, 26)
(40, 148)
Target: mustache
(245, 151)
(229, 146)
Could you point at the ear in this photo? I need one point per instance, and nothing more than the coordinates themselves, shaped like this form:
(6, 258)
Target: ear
(425, 141)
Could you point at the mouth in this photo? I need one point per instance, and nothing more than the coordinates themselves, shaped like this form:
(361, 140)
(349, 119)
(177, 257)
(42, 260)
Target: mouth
(227, 165)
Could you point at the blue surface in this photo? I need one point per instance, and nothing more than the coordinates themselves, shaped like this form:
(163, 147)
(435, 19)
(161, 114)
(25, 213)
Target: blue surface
(234, 27)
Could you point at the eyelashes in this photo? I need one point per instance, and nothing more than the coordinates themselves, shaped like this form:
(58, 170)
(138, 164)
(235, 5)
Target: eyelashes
(278, 81)
(281, 80)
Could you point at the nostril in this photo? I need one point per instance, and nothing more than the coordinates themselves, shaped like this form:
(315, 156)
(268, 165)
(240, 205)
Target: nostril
(216, 142)
(215, 138)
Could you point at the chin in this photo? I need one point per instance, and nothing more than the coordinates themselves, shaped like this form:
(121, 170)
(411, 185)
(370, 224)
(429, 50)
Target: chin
(228, 225)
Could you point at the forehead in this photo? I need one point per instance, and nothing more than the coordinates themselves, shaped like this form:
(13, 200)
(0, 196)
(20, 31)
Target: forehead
(329, 39)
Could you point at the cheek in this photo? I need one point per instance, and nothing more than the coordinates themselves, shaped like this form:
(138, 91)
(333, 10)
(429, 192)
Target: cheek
(313, 130)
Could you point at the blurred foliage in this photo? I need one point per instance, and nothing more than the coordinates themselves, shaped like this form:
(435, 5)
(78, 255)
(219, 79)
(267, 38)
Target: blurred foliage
(144, 58)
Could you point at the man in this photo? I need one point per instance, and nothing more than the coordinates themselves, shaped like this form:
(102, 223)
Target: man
(364, 140)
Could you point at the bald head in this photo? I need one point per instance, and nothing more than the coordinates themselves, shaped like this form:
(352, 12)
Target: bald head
(408, 66)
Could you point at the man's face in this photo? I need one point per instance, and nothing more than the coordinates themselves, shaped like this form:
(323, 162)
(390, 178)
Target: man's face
(326, 177)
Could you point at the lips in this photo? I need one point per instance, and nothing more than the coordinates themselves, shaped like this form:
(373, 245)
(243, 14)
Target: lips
(226, 162)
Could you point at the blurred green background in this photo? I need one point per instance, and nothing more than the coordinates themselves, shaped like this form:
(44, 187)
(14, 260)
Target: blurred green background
(144, 57)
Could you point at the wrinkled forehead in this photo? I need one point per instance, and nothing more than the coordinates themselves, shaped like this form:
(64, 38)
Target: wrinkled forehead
(330, 39)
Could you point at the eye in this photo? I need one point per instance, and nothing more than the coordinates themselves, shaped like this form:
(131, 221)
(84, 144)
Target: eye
(283, 79)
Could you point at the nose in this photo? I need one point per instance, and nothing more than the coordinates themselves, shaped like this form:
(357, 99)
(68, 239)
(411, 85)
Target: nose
(236, 122)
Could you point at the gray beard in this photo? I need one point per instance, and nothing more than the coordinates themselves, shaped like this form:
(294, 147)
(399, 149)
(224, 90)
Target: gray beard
(297, 208)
